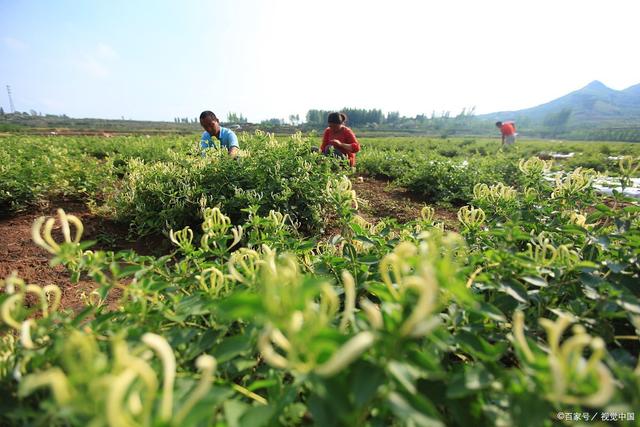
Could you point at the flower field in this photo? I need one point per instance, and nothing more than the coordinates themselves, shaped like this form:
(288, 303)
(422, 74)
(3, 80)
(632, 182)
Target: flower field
(279, 304)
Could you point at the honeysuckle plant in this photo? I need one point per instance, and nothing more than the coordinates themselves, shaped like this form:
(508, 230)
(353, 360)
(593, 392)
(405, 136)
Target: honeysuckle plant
(629, 168)
(16, 314)
(574, 186)
(344, 199)
(534, 171)
(499, 199)
(121, 387)
(561, 369)
(471, 218)
(381, 323)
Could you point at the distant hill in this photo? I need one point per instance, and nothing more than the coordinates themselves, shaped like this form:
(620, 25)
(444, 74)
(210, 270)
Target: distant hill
(595, 105)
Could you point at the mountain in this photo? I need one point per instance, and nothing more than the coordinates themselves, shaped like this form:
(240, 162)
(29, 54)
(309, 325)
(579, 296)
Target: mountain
(633, 90)
(592, 106)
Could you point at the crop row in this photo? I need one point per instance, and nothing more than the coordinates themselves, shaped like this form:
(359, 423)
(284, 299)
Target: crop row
(533, 309)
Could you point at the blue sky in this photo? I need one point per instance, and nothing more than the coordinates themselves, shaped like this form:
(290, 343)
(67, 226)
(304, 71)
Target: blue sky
(159, 60)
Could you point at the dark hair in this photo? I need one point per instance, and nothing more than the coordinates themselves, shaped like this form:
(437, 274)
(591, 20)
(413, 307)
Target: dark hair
(498, 123)
(208, 113)
(337, 118)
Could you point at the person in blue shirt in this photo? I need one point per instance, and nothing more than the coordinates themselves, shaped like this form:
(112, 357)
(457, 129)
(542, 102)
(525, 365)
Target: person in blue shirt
(226, 138)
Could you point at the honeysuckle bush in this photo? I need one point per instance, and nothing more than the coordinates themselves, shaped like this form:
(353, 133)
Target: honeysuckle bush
(452, 180)
(446, 170)
(525, 147)
(439, 179)
(269, 173)
(35, 169)
(112, 173)
(532, 309)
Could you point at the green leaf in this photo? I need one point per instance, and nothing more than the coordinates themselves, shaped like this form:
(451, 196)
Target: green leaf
(258, 416)
(469, 381)
(233, 411)
(616, 267)
(369, 259)
(516, 291)
(322, 414)
(403, 410)
(256, 385)
(242, 305)
(366, 379)
(405, 374)
(231, 347)
(535, 281)
(478, 347)
(205, 408)
(192, 305)
(491, 312)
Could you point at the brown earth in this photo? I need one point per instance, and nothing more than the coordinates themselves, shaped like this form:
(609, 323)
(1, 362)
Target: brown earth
(19, 254)
(31, 263)
(382, 199)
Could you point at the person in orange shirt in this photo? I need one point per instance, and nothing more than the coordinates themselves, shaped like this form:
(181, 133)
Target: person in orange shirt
(340, 139)
(508, 131)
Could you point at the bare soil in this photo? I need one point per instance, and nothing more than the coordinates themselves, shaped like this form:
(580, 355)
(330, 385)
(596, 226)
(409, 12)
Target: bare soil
(19, 254)
(382, 199)
(31, 263)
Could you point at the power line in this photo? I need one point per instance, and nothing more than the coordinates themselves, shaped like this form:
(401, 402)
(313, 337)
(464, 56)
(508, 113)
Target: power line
(11, 107)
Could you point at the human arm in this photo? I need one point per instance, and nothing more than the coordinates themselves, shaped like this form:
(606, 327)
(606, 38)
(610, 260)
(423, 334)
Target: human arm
(205, 140)
(343, 146)
(350, 144)
(232, 144)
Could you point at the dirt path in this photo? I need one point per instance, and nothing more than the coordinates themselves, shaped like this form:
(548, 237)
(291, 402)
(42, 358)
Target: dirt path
(385, 200)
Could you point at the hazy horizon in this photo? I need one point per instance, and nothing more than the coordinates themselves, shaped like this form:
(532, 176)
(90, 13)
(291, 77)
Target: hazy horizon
(160, 60)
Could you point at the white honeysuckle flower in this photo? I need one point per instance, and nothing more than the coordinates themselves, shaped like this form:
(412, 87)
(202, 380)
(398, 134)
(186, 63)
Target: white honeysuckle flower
(267, 351)
(207, 365)
(53, 378)
(518, 333)
(164, 351)
(471, 217)
(116, 415)
(373, 313)
(7, 307)
(346, 354)
(349, 301)
(25, 334)
(41, 235)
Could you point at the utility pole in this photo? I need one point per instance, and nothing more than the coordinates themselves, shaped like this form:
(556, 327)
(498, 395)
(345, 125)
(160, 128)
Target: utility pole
(11, 107)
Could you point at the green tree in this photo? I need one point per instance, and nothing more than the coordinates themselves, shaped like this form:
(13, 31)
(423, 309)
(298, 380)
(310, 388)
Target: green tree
(272, 122)
(294, 119)
(236, 118)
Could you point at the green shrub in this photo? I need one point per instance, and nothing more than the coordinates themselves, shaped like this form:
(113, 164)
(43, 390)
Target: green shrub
(271, 174)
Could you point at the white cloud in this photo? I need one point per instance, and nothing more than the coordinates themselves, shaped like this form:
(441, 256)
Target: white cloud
(97, 64)
(14, 44)
(105, 51)
(93, 67)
